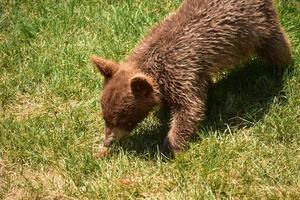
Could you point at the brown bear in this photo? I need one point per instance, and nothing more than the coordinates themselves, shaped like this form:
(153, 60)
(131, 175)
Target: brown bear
(172, 66)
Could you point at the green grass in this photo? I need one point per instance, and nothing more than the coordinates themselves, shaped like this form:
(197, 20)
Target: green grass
(50, 123)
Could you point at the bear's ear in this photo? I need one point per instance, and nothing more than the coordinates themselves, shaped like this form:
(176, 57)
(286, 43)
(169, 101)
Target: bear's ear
(106, 67)
(141, 86)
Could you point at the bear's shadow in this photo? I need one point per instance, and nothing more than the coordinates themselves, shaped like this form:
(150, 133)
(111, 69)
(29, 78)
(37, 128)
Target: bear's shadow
(238, 100)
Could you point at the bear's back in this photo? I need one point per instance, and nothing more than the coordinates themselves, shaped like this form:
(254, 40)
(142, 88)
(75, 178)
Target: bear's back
(210, 27)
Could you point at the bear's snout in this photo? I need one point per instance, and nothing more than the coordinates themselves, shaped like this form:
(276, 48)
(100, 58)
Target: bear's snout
(107, 143)
(113, 135)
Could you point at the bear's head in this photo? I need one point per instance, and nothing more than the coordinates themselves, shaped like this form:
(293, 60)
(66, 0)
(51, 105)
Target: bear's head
(127, 98)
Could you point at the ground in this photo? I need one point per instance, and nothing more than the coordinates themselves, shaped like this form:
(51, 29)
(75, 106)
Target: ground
(50, 122)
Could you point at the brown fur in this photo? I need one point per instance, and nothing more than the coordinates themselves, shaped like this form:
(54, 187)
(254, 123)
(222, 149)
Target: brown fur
(174, 63)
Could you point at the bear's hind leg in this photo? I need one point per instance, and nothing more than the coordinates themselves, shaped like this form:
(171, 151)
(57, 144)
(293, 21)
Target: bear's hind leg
(275, 50)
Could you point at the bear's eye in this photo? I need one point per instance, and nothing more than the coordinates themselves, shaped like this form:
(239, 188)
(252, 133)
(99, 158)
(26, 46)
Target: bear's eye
(106, 122)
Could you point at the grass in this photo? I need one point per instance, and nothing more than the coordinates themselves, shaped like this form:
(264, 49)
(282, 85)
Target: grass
(50, 123)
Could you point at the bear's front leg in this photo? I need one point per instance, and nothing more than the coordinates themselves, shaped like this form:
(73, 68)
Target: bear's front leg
(183, 125)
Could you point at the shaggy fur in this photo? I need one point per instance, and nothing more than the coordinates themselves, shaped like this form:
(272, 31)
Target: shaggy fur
(173, 65)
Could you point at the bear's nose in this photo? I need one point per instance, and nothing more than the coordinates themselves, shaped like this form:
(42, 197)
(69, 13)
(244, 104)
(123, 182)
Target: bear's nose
(107, 143)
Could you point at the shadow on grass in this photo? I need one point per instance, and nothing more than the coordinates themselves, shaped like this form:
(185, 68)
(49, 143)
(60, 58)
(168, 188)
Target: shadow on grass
(238, 100)
(243, 97)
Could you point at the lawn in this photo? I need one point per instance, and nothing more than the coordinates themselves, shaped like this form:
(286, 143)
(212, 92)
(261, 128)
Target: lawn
(248, 147)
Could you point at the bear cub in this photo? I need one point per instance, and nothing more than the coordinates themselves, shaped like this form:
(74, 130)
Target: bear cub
(173, 65)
